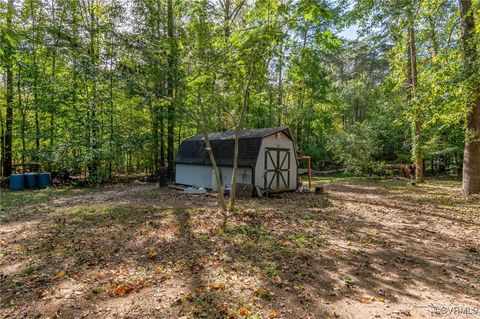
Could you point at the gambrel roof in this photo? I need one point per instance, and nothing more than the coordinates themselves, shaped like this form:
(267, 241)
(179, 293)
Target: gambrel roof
(192, 150)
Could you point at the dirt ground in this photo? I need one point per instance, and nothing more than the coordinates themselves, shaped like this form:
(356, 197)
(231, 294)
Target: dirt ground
(364, 249)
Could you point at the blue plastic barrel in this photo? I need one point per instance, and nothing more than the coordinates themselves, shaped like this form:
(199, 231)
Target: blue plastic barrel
(31, 180)
(44, 180)
(16, 182)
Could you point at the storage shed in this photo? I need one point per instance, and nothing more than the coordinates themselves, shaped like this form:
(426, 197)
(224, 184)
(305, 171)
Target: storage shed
(266, 158)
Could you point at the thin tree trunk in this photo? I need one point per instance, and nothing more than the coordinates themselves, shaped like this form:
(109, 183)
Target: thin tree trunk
(433, 37)
(110, 140)
(162, 136)
(7, 164)
(226, 19)
(155, 138)
(23, 125)
(301, 88)
(171, 86)
(204, 124)
(2, 142)
(417, 135)
(280, 84)
(93, 169)
(36, 157)
(54, 83)
(231, 205)
(471, 157)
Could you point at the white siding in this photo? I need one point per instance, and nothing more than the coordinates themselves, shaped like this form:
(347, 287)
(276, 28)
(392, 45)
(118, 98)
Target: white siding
(278, 140)
(201, 176)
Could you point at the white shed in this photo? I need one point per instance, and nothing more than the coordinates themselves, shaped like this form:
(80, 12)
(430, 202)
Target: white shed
(266, 158)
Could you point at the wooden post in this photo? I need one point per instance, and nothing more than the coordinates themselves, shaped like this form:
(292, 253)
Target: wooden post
(309, 173)
(309, 163)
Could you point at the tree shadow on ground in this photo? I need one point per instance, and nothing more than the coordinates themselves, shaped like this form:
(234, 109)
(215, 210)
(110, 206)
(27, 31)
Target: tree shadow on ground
(293, 254)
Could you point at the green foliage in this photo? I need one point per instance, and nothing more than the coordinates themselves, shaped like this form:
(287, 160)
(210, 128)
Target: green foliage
(358, 150)
(95, 81)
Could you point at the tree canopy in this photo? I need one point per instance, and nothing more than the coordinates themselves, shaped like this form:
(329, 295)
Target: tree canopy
(98, 87)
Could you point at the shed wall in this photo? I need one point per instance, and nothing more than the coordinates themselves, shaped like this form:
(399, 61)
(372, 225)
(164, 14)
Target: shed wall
(278, 140)
(201, 176)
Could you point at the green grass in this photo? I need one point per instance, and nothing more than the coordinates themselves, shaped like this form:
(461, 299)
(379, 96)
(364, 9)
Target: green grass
(18, 199)
(331, 178)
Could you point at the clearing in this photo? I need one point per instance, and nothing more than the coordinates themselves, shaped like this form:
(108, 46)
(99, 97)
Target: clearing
(364, 249)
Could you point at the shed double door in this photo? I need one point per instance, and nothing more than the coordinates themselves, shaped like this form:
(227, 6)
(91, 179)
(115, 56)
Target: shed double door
(277, 169)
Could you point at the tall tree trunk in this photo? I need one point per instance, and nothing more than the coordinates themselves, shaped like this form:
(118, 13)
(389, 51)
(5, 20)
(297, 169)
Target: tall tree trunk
(238, 127)
(226, 19)
(24, 115)
(433, 37)
(95, 161)
(36, 157)
(2, 142)
(417, 151)
(171, 86)
(155, 137)
(280, 84)
(471, 157)
(161, 122)
(301, 89)
(53, 97)
(7, 163)
(110, 140)
(204, 125)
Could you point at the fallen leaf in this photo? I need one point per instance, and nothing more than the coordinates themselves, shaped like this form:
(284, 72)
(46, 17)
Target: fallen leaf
(152, 254)
(365, 300)
(273, 314)
(158, 270)
(58, 275)
(123, 289)
(245, 312)
(217, 286)
(42, 293)
(381, 299)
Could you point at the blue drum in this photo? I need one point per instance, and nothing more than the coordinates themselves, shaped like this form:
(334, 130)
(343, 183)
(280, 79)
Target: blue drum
(17, 182)
(31, 180)
(44, 180)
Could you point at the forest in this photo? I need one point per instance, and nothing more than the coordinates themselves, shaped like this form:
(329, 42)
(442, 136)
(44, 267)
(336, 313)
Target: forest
(381, 97)
(95, 88)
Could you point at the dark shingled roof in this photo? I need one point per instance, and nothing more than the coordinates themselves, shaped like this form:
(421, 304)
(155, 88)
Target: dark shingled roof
(192, 150)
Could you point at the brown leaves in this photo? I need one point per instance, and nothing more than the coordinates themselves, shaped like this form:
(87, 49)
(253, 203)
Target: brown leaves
(217, 286)
(365, 300)
(244, 311)
(369, 300)
(126, 281)
(152, 254)
(58, 275)
(123, 289)
(42, 293)
(273, 314)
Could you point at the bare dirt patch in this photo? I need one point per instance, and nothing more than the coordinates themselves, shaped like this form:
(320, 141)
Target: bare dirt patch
(362, 250)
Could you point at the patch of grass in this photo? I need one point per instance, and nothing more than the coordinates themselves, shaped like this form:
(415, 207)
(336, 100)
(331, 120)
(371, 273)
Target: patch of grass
(17, 199)
(304, 239)
(332, 178)
(272, 271)
(29, 270)
(86, 214)
(264, 294)
(349, 282)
